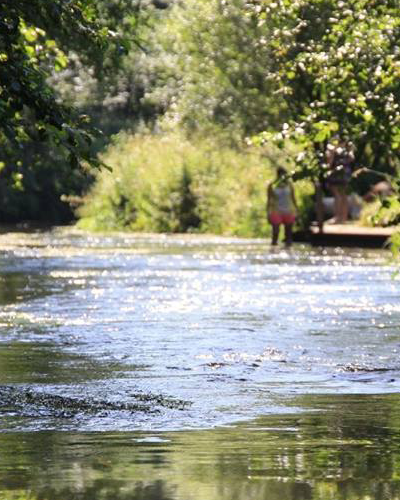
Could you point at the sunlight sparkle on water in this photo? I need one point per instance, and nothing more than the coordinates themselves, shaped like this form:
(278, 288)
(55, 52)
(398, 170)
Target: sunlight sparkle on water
(200, 319)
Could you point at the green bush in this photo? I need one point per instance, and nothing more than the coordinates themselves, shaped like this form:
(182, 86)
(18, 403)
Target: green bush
(381, 212)
(166, 183)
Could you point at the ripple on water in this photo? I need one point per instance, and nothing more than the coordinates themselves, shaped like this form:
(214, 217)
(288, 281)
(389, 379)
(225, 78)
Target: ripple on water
(228, 324)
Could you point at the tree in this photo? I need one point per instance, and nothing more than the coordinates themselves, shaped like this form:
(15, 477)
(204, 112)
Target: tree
(116, 99)
(45, 140)
(337, 67)
(34, 38)
(215, 60)
(307, 69)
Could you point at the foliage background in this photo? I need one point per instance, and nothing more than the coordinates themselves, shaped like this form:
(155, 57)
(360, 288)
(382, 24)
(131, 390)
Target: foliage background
(169, 183)
(293, 74)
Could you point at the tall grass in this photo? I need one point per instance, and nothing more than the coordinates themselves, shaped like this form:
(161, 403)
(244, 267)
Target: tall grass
(166, 183)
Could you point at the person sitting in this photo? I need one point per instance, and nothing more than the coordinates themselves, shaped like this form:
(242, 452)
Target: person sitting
(381, 189)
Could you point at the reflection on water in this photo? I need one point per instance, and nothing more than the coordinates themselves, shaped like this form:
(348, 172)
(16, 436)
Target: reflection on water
(289, 361)
(348, 450)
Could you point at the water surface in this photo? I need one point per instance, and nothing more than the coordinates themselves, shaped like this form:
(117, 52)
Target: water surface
(283, 365)
(231, 326)
(348, 450)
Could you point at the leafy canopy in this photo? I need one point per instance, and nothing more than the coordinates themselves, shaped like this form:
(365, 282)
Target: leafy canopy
(35, 38)
(214, 60)
(337, 67)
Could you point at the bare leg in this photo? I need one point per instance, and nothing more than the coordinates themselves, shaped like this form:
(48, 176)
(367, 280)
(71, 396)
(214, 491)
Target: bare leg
(344, 206)
(341, 205)
(288, 235)
(336, 206)
(319, 207)
(275, 234)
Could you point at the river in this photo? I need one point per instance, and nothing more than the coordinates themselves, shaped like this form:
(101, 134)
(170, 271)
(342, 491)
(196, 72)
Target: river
(196, 367)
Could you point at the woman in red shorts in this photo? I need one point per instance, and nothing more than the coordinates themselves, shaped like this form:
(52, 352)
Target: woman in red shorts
(281, 206)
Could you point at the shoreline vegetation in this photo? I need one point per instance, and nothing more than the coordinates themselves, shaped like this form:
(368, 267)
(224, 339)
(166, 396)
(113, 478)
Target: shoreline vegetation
(166, 183)
(234, 89)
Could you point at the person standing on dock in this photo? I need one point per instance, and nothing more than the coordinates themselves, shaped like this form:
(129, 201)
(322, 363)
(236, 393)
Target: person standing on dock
(281, 206)
(339, 159)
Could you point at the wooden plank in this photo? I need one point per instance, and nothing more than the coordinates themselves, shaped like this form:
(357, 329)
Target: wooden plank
(355, 229)
(350, 235)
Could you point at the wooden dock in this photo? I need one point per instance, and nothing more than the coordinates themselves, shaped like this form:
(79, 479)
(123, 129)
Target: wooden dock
(347, 235)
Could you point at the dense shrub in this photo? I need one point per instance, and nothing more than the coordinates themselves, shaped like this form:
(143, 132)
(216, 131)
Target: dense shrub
(165, 183)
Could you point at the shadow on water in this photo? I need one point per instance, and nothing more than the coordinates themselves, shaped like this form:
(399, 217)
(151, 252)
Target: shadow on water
(343, 447)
